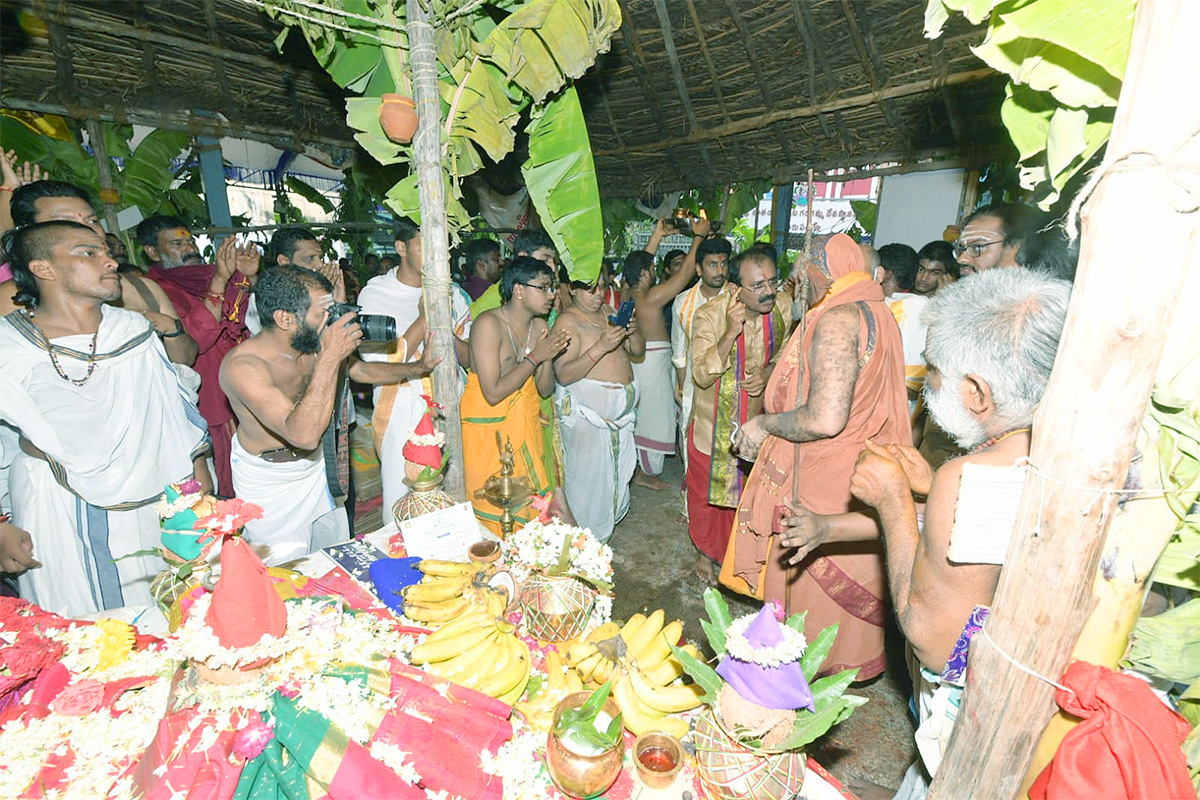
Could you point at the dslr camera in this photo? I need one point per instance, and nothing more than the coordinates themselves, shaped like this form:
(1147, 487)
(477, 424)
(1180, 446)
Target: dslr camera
(375, 327)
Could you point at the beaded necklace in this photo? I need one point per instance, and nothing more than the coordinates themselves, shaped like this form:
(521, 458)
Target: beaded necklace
(998, 438)
(91, 361)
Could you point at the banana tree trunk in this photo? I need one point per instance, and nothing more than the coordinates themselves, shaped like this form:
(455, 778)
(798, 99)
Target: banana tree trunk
(103, 175)
(435, 272)
(1086, 425)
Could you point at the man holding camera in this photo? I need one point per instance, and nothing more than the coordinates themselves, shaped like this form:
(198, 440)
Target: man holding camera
(282, 384)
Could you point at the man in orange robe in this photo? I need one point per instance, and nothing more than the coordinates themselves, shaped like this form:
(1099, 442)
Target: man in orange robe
(838, 383)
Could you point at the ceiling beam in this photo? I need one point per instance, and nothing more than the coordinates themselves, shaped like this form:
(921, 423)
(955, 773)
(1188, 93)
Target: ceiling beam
(870, 61)
(752, 54)
(812, 40)
(664, 22)
(780, 115)
(214, 39)
(714, 80)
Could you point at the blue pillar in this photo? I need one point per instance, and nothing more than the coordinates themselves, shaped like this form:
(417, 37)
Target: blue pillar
(212, 172)
(781, 217)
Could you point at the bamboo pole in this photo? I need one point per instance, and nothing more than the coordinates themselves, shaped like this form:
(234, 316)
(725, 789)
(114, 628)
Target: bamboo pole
(1086, 424)
(435, 272)
(103, 175)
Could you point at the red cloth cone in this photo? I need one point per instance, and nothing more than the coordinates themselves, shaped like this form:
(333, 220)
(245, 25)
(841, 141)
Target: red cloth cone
(244, 605)
(429, 455)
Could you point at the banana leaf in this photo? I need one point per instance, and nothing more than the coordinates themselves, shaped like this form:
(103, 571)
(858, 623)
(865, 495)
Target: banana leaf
(561, 177)
(147, 175)
(309, 193)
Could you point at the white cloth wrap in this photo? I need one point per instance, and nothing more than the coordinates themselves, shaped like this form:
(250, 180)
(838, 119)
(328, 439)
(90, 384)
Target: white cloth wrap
(597, 430)
(654, 432)
(293, 495)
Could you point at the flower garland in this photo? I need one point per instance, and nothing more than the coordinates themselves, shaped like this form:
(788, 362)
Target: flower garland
(519, 763)
(739, 647)
(556, 549)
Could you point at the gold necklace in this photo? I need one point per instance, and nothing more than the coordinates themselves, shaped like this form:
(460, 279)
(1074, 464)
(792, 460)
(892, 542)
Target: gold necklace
(512, 339)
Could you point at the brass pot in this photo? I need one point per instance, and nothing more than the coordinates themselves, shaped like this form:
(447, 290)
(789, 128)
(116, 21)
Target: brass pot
(579, 775)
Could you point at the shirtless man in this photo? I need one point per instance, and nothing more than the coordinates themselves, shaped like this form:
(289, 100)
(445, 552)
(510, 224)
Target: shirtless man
(43, 201)
(597, 404)
(511, 371)
(990, 347)
(655, 431)
(282, 385)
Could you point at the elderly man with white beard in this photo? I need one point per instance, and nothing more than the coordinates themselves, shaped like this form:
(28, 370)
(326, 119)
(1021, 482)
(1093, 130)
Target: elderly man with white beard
(990, 347)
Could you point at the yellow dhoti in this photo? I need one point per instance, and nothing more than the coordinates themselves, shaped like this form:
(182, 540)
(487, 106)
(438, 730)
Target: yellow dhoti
(516, 419)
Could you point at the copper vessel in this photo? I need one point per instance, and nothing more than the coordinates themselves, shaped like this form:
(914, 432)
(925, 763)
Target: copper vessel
(579, 775)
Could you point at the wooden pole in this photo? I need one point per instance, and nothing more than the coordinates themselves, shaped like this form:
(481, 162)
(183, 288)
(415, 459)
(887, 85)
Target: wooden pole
(103, 174)
(435, 272)
(1085, 426)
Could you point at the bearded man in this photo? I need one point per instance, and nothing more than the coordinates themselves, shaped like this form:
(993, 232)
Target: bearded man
(838, 382)
(212, 301)
(990, 348)
(103, 419)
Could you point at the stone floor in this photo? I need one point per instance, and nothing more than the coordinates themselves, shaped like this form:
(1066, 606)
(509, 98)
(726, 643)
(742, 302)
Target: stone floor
(654, 561)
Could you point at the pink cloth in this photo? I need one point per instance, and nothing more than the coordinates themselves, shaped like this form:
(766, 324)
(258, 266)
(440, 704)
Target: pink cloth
(5, 272)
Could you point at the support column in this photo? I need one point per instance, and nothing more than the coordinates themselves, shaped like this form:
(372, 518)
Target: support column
(435, 272)
(212, 173)
(1085, 427)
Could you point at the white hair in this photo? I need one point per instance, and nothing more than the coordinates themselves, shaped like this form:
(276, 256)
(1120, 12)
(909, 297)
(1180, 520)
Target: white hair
(1002, 325)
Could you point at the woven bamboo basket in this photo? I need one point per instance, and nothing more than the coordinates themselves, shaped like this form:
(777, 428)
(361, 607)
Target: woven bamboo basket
(425, 497)
(556, 609)
(730, 770)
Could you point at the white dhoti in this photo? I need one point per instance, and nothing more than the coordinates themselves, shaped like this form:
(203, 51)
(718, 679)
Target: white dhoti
(299, 514)
(78, 545)
(597, 420)
(111, 441)
(654, 434)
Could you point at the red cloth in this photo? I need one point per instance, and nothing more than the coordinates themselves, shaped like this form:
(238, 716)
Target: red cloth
(209, 774)
(1127, 746)
(215, 336)
(245, 604)
(708, 525)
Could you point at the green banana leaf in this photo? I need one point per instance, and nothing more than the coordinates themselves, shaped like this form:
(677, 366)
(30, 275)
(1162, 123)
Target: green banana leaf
(147, 175)
(561, 177)
(309, 193)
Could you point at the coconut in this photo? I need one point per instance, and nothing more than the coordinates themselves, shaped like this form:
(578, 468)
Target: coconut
(748, 720)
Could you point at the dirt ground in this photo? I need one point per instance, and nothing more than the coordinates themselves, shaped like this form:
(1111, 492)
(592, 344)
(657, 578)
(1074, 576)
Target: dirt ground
(654, 564)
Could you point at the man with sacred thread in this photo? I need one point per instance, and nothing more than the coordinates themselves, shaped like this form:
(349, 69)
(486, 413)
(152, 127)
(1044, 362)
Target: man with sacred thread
(511, 352)
(103, 418)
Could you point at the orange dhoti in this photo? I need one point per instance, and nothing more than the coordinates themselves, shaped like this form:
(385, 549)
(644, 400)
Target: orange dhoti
(516, 418)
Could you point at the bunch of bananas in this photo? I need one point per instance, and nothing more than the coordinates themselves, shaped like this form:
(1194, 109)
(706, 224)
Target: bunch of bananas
(560, 681)
(448, 590)
(480, 651)
(637, 659)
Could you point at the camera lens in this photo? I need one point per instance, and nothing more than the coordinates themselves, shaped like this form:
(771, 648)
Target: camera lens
(377, 328)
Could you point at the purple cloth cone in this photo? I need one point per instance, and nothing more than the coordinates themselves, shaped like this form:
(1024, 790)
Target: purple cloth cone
(781, 687)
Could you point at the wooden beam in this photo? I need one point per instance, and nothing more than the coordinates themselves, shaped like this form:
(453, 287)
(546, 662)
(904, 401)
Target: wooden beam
(1089, 418)
(612, 123)
(870, 60)
(214, 39)
(752, 54)
(664, 22)
(937, 50)
(714, 80)
(103, 174)
(435, 269)
(779, 115)
(64, 71)
(284, 138)
(810, 54)
(629, 36)
(812, 40)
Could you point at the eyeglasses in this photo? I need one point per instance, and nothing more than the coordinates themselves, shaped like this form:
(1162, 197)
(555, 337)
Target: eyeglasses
(548, 288)
(975, 249)
(773, 284)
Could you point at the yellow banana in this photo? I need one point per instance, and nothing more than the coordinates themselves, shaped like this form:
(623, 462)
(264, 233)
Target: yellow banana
(448, 647)
(493, 677)
(435, 612)
(508, 685)
(448, 569)
(539, 717)
(464, 663)
(605, 631)
(556, 673)
(463, 622)
(670, 667)
(637, 720)
(495, 603)
(436, 589)
(664, 699)
(588, 665)
(574, 682)
(579, 651)
(603, 670)
(630, 627)
(659, 647)
(645, 632)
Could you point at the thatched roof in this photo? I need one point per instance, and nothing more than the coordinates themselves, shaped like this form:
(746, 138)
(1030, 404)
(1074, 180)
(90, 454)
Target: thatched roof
(692, 93)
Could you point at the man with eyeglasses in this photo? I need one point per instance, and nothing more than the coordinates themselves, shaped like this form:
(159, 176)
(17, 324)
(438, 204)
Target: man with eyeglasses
(992, 236)
(735, 337)
(511, 352)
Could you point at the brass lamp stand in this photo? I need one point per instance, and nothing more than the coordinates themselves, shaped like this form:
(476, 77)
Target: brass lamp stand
(504, 490)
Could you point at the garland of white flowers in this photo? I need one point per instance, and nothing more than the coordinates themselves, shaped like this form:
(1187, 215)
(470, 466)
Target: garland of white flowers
(739, 647)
